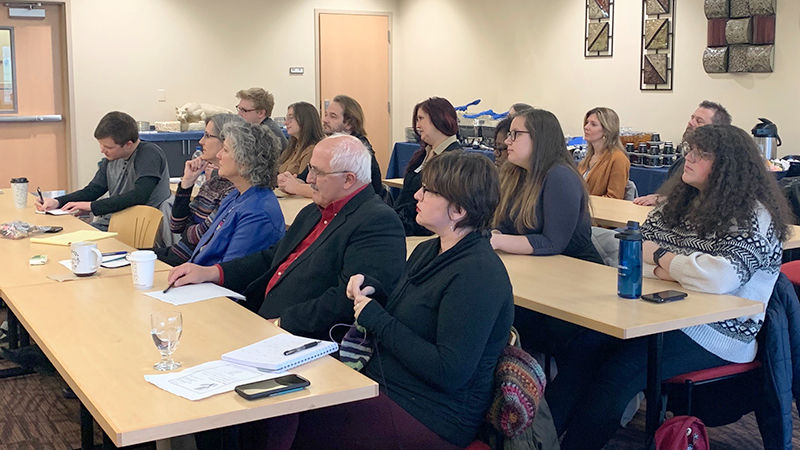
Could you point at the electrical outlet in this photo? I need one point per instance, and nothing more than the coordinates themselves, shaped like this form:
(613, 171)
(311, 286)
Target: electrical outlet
(161, 95)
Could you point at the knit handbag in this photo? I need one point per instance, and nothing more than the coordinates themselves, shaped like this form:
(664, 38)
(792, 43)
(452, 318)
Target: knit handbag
(519, 383)
(355, 349)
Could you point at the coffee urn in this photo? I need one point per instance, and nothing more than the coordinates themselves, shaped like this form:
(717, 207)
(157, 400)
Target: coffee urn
(766, 136)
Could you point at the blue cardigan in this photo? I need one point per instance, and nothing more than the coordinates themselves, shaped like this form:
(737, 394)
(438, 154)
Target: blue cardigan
(245, 223)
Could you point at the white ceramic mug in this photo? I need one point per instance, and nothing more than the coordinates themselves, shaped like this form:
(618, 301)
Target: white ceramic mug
(143, 265)
(19, 188)
(86, 258)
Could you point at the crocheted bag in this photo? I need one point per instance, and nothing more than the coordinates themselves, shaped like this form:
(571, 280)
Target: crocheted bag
(519, 387)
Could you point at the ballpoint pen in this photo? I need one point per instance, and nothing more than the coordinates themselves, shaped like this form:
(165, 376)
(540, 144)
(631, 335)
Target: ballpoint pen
(114, 259)
(300, 349)
(41, 197)
(168, 288)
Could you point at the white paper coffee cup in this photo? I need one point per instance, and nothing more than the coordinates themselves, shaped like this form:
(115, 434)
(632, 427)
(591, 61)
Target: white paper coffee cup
(143, 265)
(19, 188)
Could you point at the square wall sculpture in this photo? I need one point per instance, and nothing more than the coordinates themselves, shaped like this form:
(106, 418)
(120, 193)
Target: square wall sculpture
(657, 7)
(762, 7)
(717, 9)
(715, 59)
(761, 58)
(598, 9)
(599, 28)
(658, 44)
(740, 36)
(738, 31)
(656, 34)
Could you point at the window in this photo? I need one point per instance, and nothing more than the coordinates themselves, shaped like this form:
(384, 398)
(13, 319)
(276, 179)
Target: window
(8, 97)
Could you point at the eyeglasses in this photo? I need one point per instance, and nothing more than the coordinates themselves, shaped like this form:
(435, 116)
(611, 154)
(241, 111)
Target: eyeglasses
(696, 154)
(512, 134)
(207, 136)
(319, 173)
(425, 189)
(244, 110)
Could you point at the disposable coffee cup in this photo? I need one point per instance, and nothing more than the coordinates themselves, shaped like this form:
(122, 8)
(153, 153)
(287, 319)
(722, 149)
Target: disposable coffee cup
(19, 188)
(143, 265)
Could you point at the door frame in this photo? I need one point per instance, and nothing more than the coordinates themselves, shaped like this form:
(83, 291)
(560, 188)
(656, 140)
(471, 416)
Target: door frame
(318, 56)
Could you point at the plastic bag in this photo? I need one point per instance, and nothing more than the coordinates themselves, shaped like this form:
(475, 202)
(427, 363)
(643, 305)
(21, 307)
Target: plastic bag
(19, 229)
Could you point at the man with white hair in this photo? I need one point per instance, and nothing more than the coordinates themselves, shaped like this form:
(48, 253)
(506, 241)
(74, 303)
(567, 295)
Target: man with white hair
(300, 281)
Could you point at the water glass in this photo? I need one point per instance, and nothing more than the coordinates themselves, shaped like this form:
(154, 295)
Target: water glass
(166, 328)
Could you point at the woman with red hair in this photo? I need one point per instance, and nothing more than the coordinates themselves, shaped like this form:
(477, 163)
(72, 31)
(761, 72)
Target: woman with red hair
(436, 125)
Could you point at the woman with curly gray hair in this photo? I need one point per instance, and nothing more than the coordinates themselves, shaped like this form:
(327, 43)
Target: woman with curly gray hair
(249, 219)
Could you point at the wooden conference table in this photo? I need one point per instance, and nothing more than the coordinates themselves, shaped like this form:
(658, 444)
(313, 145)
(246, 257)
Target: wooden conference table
(612, 212)
(96, 332)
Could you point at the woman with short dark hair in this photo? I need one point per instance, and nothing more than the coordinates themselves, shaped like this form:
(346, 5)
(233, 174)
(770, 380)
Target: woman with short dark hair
(437, 336)
(720, 230)
(249, 219)
(436, 125)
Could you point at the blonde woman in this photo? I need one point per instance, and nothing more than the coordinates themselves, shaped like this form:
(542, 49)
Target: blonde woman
(606, 165)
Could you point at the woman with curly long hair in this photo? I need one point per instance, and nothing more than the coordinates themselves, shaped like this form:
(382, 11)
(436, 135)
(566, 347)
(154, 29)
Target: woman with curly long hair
(720, 230)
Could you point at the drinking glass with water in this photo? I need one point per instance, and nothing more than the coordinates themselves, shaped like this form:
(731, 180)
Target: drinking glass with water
(166, 329)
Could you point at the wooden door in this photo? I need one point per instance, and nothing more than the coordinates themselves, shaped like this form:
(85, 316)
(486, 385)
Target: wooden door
(37, 150)
(354, 61)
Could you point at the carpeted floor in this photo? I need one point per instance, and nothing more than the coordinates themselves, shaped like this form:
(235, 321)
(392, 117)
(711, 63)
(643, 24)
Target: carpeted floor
(36, 416)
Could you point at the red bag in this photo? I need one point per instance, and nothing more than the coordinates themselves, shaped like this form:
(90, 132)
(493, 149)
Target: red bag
(682, 433)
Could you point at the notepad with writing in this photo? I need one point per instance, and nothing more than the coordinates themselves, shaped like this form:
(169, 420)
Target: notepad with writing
(75, 236)
(269, 353)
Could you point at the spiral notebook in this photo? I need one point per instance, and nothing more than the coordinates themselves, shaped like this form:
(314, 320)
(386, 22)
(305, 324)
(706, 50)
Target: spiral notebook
(269, 353)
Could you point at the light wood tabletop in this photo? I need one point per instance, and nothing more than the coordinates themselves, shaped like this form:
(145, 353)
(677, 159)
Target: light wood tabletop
(612, 212)
(291, 206)
(585, 293)
(98, 337)
(16, 253)
(393, 182)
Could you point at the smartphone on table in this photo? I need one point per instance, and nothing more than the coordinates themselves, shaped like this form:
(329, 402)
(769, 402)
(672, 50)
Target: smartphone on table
(272, 387)
(664, 296)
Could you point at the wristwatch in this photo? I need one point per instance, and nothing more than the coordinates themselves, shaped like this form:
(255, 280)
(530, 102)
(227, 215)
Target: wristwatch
(661, 251)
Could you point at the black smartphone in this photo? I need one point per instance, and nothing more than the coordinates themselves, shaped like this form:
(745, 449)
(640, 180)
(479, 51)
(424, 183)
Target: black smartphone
(52, 229)
(275, 386)
(664, 296)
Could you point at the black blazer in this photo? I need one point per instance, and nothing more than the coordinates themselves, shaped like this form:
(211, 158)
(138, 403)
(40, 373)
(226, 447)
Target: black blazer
(365, 237)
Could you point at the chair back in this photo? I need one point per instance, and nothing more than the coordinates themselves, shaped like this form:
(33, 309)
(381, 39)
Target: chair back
(631, 192)
(136, 226)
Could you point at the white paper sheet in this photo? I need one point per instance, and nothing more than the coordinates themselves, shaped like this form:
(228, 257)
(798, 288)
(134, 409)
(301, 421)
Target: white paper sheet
(53, 212)
(109, 262)
(207, 379)
(193, 293)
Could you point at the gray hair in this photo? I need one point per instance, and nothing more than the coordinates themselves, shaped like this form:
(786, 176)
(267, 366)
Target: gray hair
(255, 149)
(219, 120)
(349, 154)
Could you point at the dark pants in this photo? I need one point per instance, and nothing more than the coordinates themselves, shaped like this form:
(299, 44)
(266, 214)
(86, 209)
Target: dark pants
(540, 333)
(598, 375)
(376, 423)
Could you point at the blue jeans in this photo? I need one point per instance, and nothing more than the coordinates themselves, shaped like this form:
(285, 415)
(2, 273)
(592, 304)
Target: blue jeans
(598, 375)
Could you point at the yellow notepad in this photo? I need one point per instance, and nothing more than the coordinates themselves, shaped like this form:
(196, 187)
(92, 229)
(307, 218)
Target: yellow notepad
(75, 236)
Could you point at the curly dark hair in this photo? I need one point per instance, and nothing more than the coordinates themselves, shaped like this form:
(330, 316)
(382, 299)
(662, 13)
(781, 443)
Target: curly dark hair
(738, 180)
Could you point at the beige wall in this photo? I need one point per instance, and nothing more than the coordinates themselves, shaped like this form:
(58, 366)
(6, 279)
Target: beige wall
(204, 51)
(505, 52)
(501, 52)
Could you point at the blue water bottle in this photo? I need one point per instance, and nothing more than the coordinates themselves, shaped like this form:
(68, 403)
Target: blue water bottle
(629, 279)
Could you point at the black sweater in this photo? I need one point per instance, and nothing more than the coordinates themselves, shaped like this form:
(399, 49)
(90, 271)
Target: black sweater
(440, 335)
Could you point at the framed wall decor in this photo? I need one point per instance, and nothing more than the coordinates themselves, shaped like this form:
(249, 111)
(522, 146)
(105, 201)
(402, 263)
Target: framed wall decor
(658, 45)
(599, 29)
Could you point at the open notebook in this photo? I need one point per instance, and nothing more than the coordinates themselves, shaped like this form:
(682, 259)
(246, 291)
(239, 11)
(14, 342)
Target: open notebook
(269, 353)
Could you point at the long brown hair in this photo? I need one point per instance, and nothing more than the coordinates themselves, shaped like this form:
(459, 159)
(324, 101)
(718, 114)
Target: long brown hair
(308, 120)
(737, 182)
(609, 120)
(520, 187)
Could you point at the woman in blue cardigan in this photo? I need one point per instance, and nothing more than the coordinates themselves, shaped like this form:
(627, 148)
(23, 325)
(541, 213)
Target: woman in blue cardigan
(249, 219)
